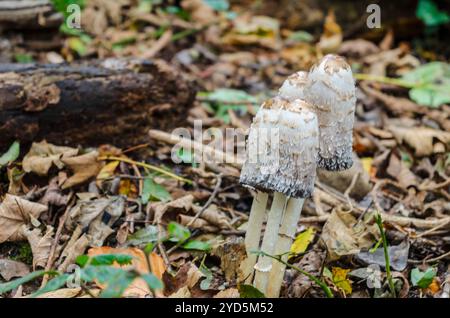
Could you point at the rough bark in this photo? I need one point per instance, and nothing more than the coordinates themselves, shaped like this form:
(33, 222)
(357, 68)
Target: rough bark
(113, 102)
(17, 14)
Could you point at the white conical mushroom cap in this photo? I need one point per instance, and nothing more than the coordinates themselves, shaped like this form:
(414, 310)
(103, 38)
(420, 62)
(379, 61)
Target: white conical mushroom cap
(282, 149)
(331, 91)
(293, 86)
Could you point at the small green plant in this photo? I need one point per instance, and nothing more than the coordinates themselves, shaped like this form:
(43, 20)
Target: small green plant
(423, 279)
(379, 222)
(11, 155)
(92, 269)
(316, 280)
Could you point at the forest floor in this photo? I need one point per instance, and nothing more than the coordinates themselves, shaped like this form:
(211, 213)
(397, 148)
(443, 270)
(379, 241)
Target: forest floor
(183, 224)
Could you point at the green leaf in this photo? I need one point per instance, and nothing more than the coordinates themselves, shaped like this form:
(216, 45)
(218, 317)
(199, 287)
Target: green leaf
(248, 291)
(116, 279)
(61, 5)
(185, 155)
(223, 99)
(104, 259)
(148, 234)
(11, 155)
(6, 287)
(422, 279)
(218, 5)
(301, 36)
(432, 84)
(23, 58)
(177, 232)
(54, 284)
(197, 245)
(153, 190)
(117, 282)
(152, 281)
(206, 282)
(429, 13)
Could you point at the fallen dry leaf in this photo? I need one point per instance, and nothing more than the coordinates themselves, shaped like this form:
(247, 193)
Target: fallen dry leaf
(43, 155)
(62, 293)
(343, 235)
(40, 244)
(74, 248)
(331, 38)
(10, 269)
(421, 139)
(357, 48)
(253, 30)
(228, 293)
(231, 253)
(200, 12)
(214, 216)
(53, 195)
(84, 167)
(14, 213)
(138, 287)
(89, 214)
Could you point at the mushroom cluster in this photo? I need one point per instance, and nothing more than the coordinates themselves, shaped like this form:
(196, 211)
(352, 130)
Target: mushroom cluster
(309, 125)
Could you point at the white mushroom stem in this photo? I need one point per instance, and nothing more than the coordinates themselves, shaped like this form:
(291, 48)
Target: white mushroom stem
(264, 265)
(253, 235)
(285, 237)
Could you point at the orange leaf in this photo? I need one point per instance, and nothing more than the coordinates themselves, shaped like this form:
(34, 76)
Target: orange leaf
(139, 287)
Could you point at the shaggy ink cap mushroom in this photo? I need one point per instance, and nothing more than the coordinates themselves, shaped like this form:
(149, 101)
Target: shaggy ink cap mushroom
(282, 149)
(293, 87)
(331, 91)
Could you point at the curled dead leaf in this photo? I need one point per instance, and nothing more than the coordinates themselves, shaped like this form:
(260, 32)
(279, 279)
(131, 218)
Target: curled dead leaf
(14, 213)
(344, 235)
(40, 244)
(43, 155)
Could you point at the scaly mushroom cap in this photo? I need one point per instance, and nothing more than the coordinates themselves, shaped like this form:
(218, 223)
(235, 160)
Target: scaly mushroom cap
(331, 91)
(293, 86)
(282, 149)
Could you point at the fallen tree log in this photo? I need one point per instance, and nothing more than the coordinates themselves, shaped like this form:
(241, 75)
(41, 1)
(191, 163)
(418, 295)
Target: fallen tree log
(114, 101)
(17, 14)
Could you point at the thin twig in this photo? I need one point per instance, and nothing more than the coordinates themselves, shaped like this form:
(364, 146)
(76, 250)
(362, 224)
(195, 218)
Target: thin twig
(62, 221)
(148, 166)
(431, 260)
(210, 200)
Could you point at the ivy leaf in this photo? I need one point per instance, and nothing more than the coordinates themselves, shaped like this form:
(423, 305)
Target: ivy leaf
(153, 190)
(218, 5)
(54, 284)
(144, 236)
(152, 281)
(205, 283)
(104, 259)
(185, 155)
(429, 13)
(223, 99)
(177, 232)
(432, 81)
(197, 245)
(248, 291)
(422, 279)
(11, 155)
(6, 287)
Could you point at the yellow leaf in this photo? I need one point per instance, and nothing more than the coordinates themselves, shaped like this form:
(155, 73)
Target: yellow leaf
(367, 164)
(107, 171)
(341, 281)
(302, 241)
